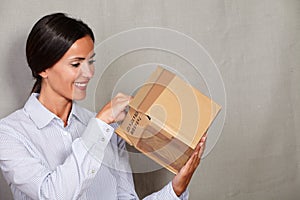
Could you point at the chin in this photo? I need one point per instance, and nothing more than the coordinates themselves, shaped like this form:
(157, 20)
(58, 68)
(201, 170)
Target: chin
(79, 97)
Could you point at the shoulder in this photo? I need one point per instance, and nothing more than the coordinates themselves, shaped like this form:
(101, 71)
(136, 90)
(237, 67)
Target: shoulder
(16, 124)
(13, 119)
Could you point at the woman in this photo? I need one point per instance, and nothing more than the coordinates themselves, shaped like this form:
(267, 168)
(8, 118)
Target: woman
(54, 149)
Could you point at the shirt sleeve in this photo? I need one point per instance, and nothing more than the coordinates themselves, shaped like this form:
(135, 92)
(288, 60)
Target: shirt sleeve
(22, 167)
(126, 185)
(167, 192)
(96, 137)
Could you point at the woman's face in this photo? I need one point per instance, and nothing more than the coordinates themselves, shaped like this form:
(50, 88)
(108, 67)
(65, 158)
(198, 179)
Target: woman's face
(69, 77)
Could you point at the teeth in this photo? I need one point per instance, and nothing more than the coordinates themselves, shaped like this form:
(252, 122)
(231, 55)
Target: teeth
(81, 84)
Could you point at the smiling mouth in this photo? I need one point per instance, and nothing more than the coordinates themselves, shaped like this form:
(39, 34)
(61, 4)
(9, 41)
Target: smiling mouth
(80, 85)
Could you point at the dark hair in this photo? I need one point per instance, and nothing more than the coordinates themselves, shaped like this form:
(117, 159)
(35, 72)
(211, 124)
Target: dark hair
(49, 39)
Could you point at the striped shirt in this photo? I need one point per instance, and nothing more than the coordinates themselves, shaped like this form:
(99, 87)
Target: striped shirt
(40, 158)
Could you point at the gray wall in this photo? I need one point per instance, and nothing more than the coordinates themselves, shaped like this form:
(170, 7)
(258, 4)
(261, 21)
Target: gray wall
(254, 44)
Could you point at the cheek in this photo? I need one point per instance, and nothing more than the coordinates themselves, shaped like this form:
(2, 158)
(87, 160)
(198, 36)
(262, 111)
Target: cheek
(65, 79)
(71, 74)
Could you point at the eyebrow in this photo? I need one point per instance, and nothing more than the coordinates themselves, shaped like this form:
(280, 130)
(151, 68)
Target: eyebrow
(81, 58)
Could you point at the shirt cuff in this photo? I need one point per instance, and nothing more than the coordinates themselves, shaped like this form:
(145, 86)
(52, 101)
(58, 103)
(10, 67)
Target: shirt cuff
(96, 137)
(172, 194)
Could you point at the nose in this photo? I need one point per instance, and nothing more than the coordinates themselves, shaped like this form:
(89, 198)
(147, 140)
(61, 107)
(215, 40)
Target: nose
(87, 70)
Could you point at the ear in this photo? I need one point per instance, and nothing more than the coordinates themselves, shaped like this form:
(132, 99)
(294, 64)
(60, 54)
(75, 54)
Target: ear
(44, 74)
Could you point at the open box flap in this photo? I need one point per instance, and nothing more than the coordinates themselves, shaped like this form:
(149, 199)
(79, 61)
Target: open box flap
(175, 106)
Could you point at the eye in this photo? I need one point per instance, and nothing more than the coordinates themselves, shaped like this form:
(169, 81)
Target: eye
(75, 64)
(91, 62)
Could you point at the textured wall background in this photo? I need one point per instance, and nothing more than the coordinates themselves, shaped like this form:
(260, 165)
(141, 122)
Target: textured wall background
(256, 46)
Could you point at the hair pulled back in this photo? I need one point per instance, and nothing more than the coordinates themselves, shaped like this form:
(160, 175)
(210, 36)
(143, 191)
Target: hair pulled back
(49, 39)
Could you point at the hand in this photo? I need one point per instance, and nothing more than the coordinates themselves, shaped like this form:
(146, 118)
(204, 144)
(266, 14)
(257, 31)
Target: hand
(182, 179)
(114, 110)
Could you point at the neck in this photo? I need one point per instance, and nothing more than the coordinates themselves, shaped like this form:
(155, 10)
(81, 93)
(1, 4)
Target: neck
(60, 106)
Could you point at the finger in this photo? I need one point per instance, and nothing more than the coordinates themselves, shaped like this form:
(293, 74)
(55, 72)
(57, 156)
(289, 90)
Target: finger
(191, 161)
(121, 116)
(118, 100)
(202, 148)
(203, 138)
(123, 96)
(120, 94)
(194, 162)
(194, 156)
(119, 105)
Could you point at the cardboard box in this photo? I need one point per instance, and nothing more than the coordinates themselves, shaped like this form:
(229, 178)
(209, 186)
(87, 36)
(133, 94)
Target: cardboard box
(167, 118)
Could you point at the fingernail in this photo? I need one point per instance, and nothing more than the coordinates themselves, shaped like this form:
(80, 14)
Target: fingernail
(201, 144)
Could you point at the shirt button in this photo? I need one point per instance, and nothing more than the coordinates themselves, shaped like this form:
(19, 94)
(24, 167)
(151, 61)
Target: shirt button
(93, 171)
(107, 130)
(102, 139)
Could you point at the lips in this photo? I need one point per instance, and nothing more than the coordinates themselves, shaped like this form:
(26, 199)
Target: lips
(81, 85)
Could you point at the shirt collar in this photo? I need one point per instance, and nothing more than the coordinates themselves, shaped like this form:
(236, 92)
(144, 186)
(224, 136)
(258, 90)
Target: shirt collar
(41, 116)
(80, 113)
